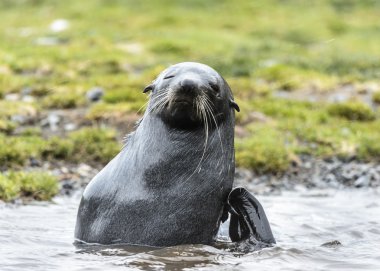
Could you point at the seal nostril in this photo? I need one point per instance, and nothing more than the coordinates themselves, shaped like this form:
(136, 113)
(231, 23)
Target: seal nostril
(188, 85)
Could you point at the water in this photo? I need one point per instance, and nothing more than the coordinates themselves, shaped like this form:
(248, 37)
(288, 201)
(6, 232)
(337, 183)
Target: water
(40, 237)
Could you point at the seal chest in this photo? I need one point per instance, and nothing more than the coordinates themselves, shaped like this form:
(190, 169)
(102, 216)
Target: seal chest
(170, 182)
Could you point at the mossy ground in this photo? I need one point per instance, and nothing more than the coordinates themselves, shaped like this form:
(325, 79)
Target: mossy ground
(36, 185)
(260, 47)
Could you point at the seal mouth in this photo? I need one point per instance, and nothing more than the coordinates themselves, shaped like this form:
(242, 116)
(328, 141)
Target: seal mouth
(181, 101)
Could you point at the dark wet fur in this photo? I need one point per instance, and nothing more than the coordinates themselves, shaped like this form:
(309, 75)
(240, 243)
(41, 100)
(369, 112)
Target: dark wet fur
(158, 190)
(248, 220)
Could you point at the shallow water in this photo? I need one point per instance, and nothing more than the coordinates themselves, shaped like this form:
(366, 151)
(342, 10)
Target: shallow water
(40, 237)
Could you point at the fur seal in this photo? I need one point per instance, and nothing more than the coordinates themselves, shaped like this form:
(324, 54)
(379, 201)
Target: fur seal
(170, 183)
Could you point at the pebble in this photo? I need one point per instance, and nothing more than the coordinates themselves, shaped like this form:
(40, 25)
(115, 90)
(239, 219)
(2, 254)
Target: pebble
(95, 94)
(52, 120)
(12, 97)
(332, 244)
(19, 119)
(59, 25)
(313, 173)
(362, 181)
(70, 127)
(28, 99)
(26, 91)
(48, 41)
(34, 162)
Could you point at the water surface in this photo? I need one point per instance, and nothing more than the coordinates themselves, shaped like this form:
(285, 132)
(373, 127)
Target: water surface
(317, 230)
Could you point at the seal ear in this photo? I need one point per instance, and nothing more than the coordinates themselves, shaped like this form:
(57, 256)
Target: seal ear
(234, 105)
(148, 88)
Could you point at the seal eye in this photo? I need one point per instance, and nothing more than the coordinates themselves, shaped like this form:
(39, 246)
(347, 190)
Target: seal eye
(169, 76)
(214, 87)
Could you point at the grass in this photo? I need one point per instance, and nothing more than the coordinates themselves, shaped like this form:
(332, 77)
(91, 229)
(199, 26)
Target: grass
(352, 111)
(88, 145)
(109, 112)
(7, 126)
(307, 128)
(35, 185)
(63, 100)
(376, 97)
(121, 46)
(265, 151)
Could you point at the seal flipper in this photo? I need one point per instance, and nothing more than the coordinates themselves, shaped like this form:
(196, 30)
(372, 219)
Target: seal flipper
(248, 218)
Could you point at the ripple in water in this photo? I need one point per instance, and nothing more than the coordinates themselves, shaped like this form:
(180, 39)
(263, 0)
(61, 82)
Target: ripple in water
(327, 230)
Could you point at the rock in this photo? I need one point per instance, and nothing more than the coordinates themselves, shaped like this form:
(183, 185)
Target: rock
(84, 170)
(34, 162)
(68, 186)
(330, 178)
(349, 173)
(95, 94)
(12, 97)
(332, 244)
(28, 99)
(59, 25)
(19, 119)
(70, 126)
(363, 181)
(52, 121)
(26, 91)
(47, 41)
(64, 170)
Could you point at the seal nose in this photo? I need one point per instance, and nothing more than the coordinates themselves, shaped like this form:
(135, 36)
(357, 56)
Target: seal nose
(188, 85)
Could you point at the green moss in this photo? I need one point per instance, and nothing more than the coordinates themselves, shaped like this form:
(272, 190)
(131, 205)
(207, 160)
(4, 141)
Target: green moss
(125, 95)
(118, 112)
(10, 108)
(65, 100)
(8, 189)
(31, 131)
(58, 148)
(355, 111)
(35, 185)
(12, 153)
(246, 88)
(40, 91)
(7, 126)
(311, 130)
(285, 77)
(264, 152)
(369, 148)
(88, 145)
(94, 145)
(376, 97)
(170, 46)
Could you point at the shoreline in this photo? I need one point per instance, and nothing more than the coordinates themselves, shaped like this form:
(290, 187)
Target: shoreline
(310, 173)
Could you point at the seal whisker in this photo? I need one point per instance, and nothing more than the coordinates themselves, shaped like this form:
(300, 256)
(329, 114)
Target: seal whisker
(209, 112)
(160, 102)
(204, 117)
(150, 95)
(144, 105)
(208, 106)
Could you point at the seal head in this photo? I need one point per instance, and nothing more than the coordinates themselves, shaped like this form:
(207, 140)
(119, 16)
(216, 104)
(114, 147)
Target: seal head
(186, 94)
